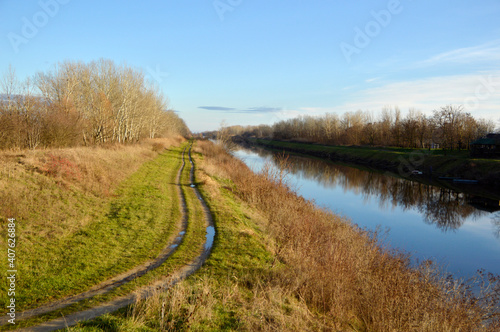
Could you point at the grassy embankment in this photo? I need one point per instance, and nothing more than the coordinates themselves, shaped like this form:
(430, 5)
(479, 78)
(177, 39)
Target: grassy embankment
(435, 163)
(234, 289)
(280, 263)
(108, 228)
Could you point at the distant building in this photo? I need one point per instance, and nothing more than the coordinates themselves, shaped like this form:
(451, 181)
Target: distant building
(488, 146)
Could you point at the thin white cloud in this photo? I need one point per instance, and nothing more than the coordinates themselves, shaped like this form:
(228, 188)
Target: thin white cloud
(255, 110)
(261, 109)
(485, 52)
(372, 79)
(478, 92)
(350, 87)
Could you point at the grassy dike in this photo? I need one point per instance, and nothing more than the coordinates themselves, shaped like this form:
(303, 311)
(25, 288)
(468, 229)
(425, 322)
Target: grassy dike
(280, 263)
(190, 247)
(235, 289)
(130, 228)
(434, 163)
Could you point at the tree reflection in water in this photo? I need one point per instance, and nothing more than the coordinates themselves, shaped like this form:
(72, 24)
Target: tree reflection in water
(496, 222)
(443, 207)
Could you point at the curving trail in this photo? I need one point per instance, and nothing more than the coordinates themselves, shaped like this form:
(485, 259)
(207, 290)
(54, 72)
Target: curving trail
(136, 272)
(120, 279)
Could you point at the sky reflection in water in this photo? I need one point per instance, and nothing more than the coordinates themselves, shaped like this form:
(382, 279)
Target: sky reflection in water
(428, 221)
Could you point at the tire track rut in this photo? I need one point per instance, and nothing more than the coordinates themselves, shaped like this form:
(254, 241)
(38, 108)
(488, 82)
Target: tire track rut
(132, 274)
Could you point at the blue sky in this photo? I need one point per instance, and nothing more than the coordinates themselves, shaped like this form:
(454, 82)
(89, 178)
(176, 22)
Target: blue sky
(253, 62)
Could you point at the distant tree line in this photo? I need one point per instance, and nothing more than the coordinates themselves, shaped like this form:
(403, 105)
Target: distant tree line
(449, 127)
(83, 104)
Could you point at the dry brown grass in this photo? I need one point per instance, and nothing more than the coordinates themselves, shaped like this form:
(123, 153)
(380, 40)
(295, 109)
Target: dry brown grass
(43, 188)
(342, 271)
(201, 304)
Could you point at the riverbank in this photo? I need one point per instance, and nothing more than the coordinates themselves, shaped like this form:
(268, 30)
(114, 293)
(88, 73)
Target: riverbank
(339, 270)
(433, 164)
(278, 262)
(137, 223)
(281, 263)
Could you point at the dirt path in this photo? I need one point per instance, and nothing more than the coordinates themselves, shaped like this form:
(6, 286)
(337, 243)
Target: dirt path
(128, 276)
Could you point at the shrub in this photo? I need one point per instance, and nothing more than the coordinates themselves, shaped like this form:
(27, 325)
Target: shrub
(62, 167)
(158, 147)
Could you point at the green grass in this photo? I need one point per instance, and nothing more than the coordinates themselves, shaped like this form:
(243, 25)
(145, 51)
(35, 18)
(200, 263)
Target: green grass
(245, 283)
(327, 282)
(132, 228)
(189, 249)
(230, 292)
(364, 150)
(442, 163)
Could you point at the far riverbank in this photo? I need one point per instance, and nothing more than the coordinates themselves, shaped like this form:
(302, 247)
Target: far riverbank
(433, 164)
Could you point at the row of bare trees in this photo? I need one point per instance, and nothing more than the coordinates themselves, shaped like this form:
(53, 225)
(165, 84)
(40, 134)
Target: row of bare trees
(83, 103)
(450, 127)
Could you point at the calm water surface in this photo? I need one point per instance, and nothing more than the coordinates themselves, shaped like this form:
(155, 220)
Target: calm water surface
(458, 230)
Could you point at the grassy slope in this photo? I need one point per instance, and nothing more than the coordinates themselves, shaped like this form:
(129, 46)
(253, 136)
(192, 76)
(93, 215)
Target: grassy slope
(282, 264)
(455, 163)
(186, 252)
(126, 229)
(233, 290)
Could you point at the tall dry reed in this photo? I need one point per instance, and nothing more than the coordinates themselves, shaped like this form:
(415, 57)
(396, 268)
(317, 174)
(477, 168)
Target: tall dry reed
(342, 270)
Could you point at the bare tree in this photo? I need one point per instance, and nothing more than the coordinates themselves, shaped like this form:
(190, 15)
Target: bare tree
(96, 103)
(449, 127)
(9, 135)
(386, 125)
(410, 128)
(30, 108)
(396, 128)
(330, 124)
(224, 136)
(447, 120)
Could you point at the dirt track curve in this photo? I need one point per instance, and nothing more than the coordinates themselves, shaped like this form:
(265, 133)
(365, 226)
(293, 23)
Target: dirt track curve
(130, 275)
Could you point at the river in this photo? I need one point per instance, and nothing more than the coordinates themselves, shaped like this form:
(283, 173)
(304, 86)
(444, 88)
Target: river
(458, 230)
